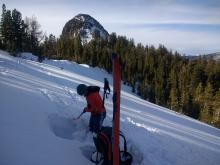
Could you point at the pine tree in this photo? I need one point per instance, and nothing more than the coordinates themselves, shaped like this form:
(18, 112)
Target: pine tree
(173, 80)
(2, 27)
(207, 110)
(50, 46)
(198, 74)
(184, 85)
(24, 36)
(8, 31)
(216, 108)
(198, 97)
(17, 31)
(77, 49)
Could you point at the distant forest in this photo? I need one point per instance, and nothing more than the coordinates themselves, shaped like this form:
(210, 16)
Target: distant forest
(163, 77)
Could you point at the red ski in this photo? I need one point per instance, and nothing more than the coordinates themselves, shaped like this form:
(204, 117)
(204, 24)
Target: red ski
(116, 107)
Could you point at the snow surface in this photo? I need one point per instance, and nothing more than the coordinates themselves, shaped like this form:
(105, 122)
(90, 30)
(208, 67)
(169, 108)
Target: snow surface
(38, 101)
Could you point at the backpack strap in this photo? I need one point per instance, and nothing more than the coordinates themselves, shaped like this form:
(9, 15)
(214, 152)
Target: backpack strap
(92, 89)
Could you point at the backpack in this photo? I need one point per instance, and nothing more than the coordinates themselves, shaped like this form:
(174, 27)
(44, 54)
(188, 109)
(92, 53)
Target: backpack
(103, 154)
(92, 89)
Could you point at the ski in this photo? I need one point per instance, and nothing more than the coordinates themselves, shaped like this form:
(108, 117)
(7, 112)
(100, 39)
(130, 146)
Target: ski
(116, 107)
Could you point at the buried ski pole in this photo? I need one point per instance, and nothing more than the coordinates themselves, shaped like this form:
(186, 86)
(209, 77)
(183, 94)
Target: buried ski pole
(76, 118)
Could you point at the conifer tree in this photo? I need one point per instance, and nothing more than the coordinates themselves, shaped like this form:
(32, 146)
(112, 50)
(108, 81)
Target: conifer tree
(173, 79)
(216, 107)
(207, 111)
(77, 48)
(8, 31)
(3, 27)
(16, 31)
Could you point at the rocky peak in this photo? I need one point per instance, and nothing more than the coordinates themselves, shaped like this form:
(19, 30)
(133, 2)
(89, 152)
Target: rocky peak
(85, 26)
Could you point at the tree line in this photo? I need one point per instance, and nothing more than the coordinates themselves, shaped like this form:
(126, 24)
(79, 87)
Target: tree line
(19, 35)
(163, 77)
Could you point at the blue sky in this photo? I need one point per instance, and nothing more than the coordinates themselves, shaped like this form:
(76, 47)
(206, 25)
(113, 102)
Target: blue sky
(190, 27)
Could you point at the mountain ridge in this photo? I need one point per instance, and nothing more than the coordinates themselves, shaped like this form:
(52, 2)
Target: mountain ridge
(214, 56)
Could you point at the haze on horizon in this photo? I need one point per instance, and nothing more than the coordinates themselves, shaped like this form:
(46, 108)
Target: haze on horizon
(190, 27)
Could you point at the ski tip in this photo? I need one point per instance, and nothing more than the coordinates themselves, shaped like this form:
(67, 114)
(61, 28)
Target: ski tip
(114, 56)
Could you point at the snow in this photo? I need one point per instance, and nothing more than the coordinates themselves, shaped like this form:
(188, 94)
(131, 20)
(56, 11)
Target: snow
(38, 101)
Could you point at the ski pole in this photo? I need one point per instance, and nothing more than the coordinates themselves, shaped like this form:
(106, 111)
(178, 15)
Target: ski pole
(103, 99)
(76, 118)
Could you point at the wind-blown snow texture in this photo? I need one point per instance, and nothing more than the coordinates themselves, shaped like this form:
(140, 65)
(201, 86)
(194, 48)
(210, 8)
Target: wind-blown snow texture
(38, 100)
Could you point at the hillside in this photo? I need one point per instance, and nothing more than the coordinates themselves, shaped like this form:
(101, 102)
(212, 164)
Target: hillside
(38, 101)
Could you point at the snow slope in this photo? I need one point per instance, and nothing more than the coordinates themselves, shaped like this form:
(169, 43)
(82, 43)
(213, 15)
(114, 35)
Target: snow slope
(38, 100)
